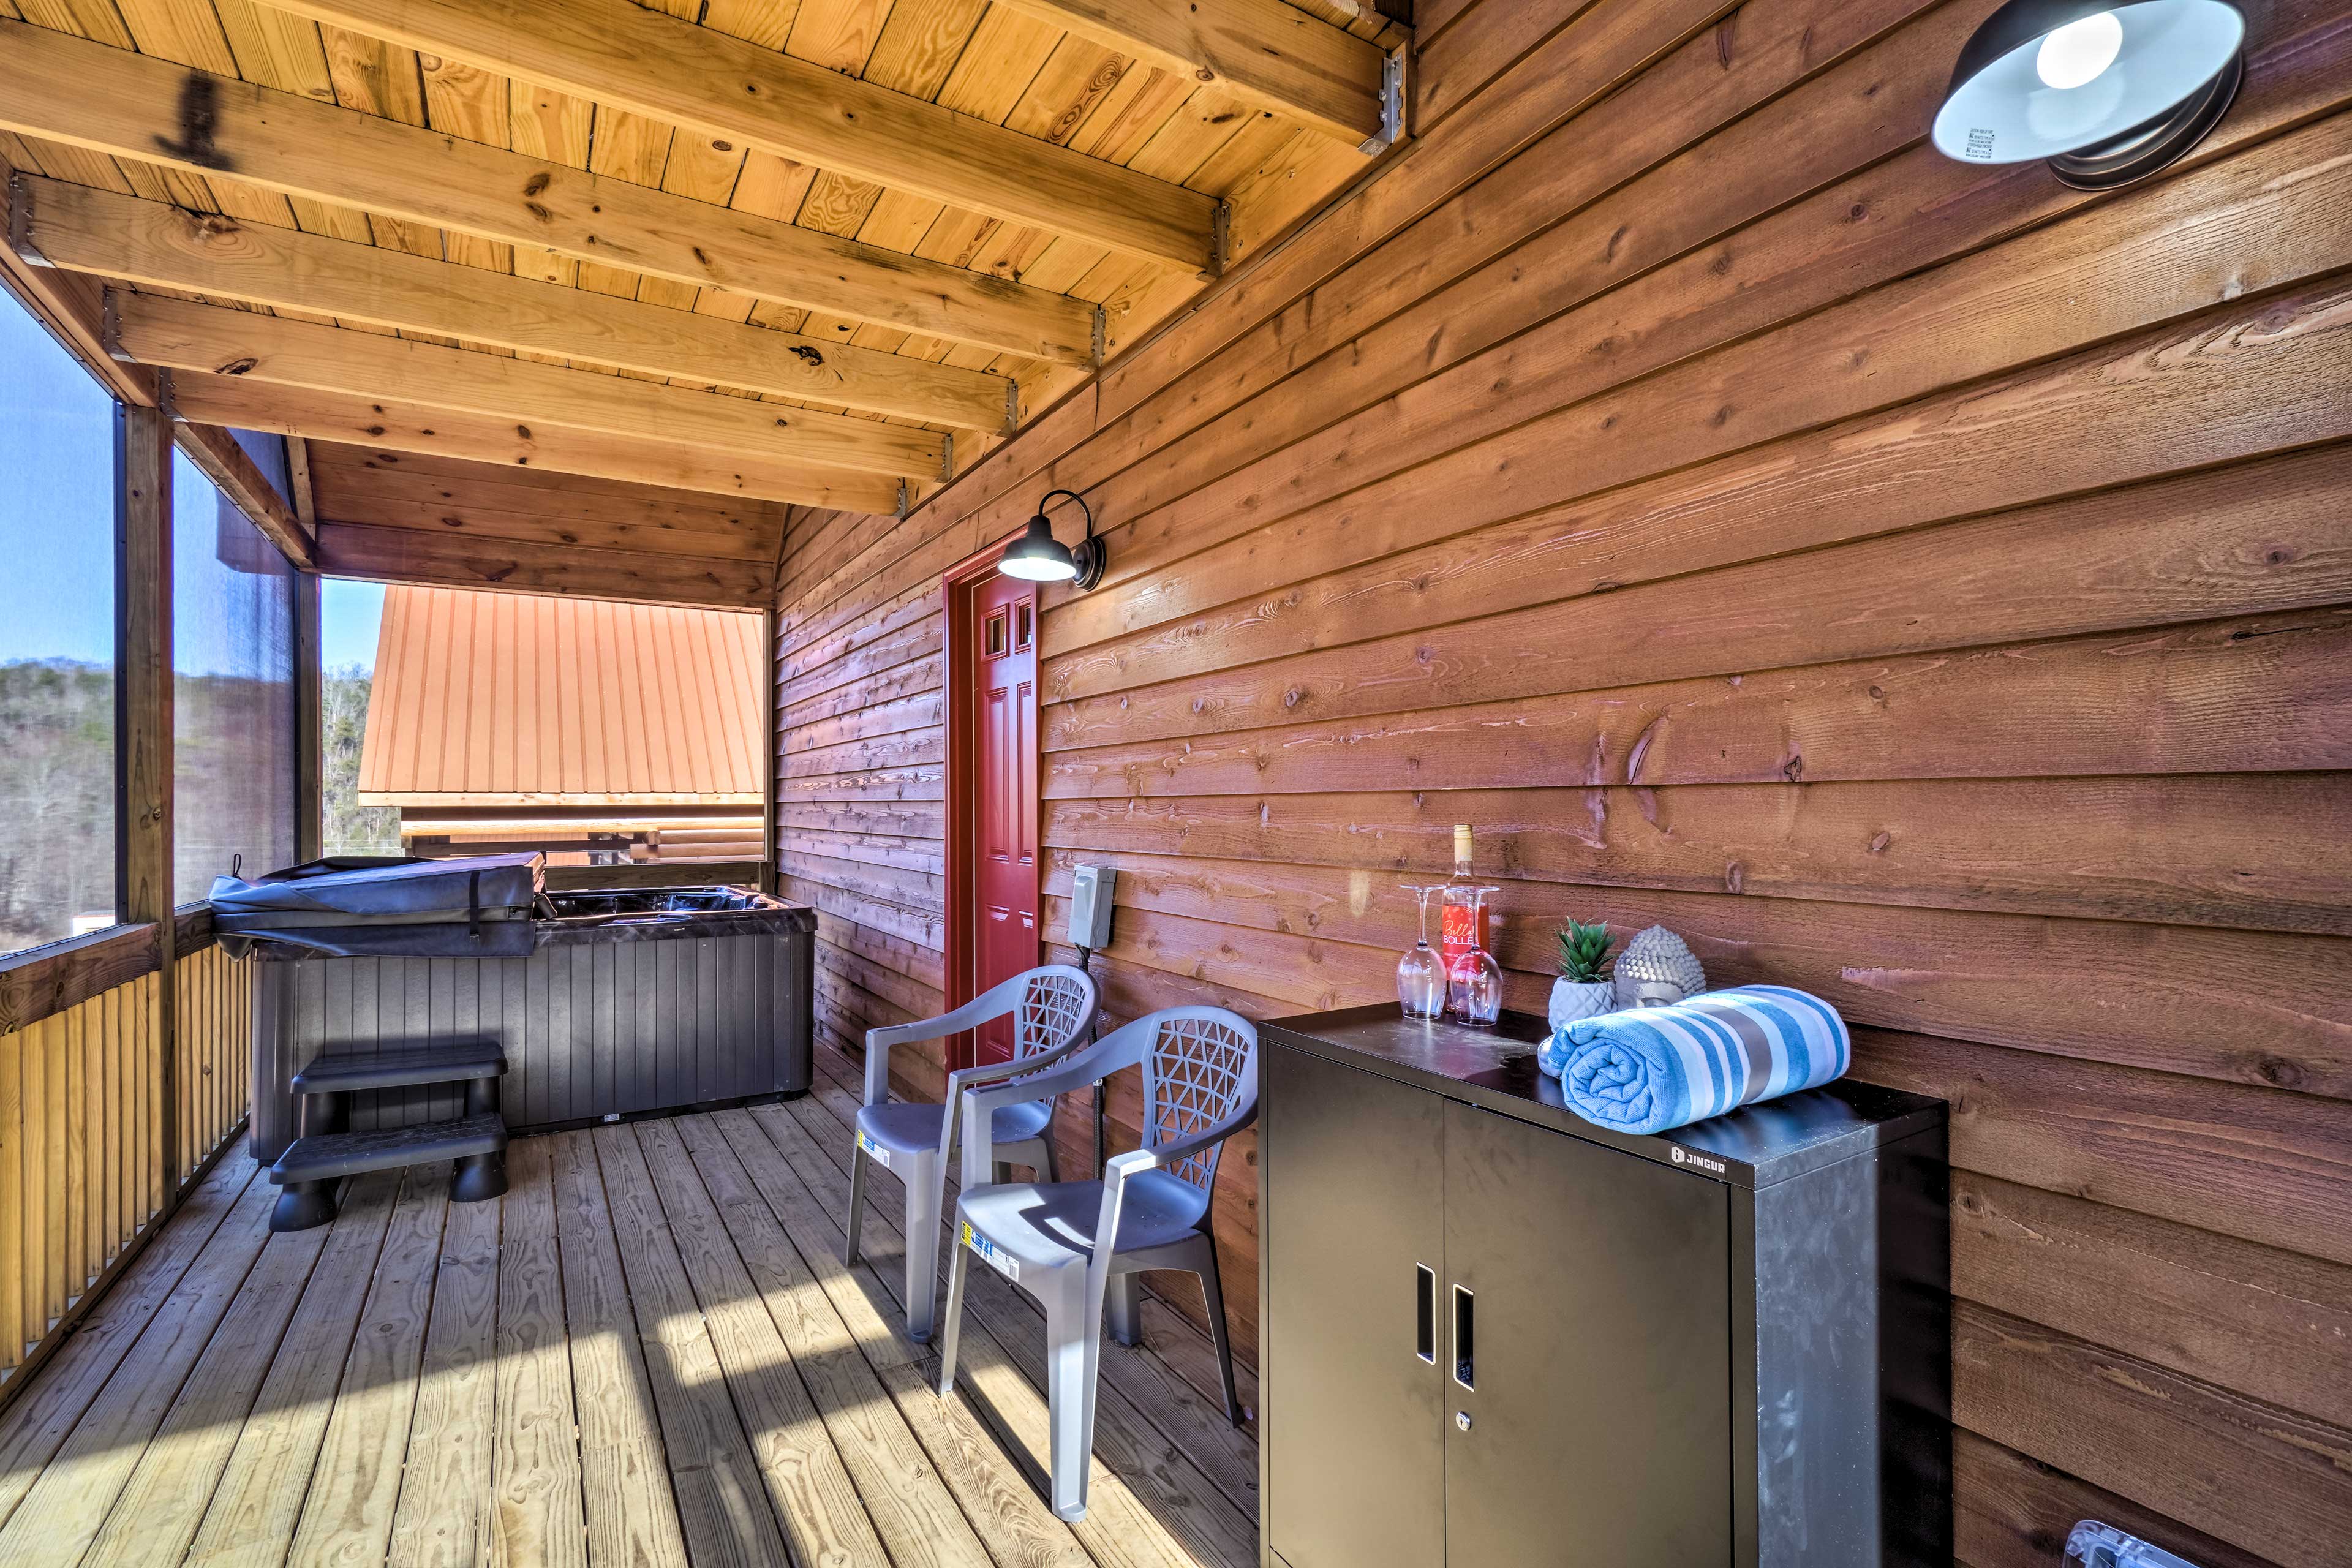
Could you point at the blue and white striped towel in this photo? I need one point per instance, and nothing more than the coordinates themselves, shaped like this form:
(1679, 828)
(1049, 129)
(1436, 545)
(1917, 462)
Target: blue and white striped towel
(1651, 1069)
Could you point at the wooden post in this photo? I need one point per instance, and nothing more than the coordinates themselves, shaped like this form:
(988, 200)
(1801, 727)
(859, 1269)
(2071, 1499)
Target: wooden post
(310, 825)
(770, 872)
(144, 727)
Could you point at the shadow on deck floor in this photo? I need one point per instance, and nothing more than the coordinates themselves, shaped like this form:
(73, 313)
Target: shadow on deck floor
(648, 1352)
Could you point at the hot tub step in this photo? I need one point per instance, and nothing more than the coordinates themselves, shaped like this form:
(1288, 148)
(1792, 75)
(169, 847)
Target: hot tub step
(327, 1155)
(310, 1166)
(398, 1069)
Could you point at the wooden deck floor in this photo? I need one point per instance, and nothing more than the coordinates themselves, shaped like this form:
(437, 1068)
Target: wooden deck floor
(647, 1352)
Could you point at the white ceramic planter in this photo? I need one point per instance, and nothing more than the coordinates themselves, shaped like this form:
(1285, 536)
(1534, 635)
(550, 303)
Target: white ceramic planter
(1573, 1001)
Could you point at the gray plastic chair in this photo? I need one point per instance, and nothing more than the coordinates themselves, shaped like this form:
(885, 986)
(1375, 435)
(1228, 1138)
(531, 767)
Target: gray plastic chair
(1053, 1011)
(1200, 1087)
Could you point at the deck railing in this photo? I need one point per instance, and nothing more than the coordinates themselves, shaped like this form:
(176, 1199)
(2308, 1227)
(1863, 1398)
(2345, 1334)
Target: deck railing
(91, 1156)
(215, 1016)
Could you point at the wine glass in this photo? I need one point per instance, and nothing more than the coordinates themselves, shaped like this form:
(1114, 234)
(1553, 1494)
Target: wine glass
(1421, 974)
(1474, 980)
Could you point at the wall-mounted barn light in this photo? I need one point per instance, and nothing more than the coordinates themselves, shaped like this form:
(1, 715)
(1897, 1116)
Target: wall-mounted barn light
(2108, 93)
(1037, 556)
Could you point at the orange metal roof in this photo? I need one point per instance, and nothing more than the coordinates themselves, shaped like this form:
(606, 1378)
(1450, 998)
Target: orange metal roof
(486, 699)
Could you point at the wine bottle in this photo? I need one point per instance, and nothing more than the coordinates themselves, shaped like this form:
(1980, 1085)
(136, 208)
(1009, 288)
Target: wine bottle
(1461, 923)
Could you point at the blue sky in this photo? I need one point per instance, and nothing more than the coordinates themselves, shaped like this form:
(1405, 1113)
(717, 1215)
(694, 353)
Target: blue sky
(57, 515)
(348, 617)
(56, 498)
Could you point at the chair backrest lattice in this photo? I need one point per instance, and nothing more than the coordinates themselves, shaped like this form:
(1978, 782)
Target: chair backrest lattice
(1202, 1070)
(1052, 1007)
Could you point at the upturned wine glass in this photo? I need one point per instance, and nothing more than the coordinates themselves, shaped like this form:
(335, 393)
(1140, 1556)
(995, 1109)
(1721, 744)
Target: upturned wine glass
(1474, 980)
(1421, 973)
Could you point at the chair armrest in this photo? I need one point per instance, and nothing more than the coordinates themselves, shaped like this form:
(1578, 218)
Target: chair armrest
(1115, 1171)
(1176, 1151)
(1122, 1048)
(1075, 1072)
(992, 1003)
(963, 1079)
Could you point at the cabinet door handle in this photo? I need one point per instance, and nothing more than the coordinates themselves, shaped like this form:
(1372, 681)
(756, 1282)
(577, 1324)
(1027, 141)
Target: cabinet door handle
(1424, 1342)
(1466, 1343)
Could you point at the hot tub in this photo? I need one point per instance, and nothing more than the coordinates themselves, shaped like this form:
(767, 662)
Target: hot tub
(619, 1002)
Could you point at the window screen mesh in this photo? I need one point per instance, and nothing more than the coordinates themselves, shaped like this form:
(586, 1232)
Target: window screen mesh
(233, 699)
(57, 640)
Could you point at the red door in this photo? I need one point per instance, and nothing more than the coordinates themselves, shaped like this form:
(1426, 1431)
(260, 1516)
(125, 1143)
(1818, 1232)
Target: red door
(1004, 780)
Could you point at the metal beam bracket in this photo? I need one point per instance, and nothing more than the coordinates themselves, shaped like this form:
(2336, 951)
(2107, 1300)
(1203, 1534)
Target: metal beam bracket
(20, 220)
(110, 328)
(166, 398)
(1013, 388)
(1101, 340)
(1391, 128)
(905, 500)
(947, 457)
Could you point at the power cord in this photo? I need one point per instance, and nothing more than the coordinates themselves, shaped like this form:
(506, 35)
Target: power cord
(1086, 966)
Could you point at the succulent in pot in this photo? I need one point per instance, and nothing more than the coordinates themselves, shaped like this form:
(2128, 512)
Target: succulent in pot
(1584, 986)
(1584, 989)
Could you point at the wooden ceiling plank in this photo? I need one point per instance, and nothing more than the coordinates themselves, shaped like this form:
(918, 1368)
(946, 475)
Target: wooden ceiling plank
(921, 43)
(1058, 96)
(112, 101)
(554, 127)
(557, 525)
(516, 566)
(766, 22)
(151, 244)
(626, 57)
(376, 78)
(178, 335)
(1270, 53)
(1004, 55)
(423, 476)
(387, 427)
(838, 34)
(466, 100)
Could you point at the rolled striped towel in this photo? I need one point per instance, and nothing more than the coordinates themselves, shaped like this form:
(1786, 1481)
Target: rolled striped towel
(1651, 1069)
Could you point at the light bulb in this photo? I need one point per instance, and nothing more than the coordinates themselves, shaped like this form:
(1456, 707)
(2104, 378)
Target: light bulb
(2079, 51)
(1030, 569)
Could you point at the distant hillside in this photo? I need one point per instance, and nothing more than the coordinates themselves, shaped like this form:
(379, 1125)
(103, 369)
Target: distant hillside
(56, 797)
(351, 828)
(56, 784)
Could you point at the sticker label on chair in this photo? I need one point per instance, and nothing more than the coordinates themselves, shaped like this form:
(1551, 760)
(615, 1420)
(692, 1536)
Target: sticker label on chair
(872, 1150)
(995, 1256)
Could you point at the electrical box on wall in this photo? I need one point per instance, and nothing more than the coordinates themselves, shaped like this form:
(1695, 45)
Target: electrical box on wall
(1091, 888)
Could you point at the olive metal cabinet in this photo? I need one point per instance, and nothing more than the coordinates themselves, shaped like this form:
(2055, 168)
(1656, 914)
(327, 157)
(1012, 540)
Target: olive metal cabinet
(1495, 1336)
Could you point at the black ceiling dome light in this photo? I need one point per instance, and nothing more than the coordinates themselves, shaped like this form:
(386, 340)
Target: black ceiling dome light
(1037, 557)
(2108, 93)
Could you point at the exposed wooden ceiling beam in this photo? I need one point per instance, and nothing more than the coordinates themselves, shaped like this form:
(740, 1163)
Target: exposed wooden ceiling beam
(179, 334)
(628, 56)
(1273, 54)
(383, 426)
(74, 310)
(135, 106)
(298, 468)
(154, 243)
(215, 452)
(410, 555)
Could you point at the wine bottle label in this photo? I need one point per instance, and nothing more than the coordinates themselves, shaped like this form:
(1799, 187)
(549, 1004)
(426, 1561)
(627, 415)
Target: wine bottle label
(1463, 928)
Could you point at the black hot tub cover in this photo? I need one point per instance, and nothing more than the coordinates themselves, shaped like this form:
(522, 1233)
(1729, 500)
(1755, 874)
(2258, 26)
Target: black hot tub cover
(360, 906)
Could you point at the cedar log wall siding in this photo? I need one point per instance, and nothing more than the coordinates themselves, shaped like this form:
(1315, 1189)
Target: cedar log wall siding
(1917, 582)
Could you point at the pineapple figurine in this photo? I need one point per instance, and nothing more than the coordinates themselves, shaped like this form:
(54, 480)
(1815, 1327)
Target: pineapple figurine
(1583, 988)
